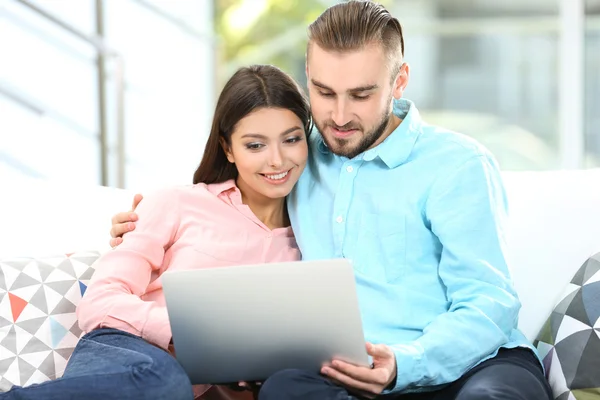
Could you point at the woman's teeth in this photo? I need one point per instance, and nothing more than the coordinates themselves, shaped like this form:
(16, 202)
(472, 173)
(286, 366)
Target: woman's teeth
(278, 176)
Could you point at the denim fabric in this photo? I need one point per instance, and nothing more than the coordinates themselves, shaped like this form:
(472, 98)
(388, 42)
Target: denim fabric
(112, 364)
(514, 374)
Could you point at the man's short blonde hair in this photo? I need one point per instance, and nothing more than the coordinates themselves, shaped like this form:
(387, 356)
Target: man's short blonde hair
(355, 24)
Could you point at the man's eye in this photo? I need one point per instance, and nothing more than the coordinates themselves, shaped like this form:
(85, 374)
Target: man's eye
(361, 97)
(326, 94)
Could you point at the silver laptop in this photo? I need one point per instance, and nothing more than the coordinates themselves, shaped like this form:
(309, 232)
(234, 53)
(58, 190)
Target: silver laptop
(245, 323)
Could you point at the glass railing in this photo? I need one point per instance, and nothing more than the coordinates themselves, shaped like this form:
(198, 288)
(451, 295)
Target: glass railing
(69, 110)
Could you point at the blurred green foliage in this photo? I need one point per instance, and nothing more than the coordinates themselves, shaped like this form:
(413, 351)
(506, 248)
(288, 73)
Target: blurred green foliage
(265, 32)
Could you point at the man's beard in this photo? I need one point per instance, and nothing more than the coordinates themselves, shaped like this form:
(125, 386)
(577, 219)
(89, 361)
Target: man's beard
(342, 147)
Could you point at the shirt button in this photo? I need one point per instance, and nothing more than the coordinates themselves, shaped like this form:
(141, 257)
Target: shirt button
(339, 219)
(349, 168)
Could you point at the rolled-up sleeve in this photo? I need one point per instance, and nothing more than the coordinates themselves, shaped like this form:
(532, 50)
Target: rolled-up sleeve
(467, 212)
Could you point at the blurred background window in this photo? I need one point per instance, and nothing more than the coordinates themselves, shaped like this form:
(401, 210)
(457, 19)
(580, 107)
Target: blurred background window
(121, 92)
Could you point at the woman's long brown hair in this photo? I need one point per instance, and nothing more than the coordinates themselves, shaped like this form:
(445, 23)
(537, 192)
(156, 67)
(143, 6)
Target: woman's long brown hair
(249, 89)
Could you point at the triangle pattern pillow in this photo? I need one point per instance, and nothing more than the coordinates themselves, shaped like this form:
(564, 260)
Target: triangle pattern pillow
(38, 324)
(569, 342)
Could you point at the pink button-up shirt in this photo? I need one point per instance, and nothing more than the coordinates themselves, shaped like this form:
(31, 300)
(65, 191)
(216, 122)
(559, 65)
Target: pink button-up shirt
(182, 228)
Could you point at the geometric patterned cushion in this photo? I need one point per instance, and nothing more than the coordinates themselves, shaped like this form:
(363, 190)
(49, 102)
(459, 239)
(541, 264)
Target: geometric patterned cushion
(38, 325)
(569, 342)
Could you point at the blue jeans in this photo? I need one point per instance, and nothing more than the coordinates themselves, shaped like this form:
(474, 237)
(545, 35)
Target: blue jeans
(112, 364)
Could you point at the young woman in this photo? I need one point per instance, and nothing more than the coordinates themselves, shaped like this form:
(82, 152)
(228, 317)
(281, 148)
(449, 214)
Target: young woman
(234, 214)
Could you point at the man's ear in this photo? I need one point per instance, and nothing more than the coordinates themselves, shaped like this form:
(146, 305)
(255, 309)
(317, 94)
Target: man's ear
(401, 81)
(227, 150)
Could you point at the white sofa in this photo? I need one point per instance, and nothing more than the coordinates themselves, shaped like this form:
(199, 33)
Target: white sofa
(554, 227)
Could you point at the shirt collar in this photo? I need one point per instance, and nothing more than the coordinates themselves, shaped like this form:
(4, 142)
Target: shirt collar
(396, 148)
(234, 196)
(218, 188)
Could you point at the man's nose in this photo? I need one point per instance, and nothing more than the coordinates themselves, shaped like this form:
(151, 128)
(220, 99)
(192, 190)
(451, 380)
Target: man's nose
(340, 115)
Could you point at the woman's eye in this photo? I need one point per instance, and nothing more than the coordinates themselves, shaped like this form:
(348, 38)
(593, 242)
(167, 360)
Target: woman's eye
(293, 139)
(254, 146)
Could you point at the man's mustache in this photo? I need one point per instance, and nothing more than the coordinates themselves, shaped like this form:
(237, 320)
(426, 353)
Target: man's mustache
(347, 127)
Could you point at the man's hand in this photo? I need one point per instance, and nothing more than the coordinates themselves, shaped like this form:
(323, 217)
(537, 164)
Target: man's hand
(124, 222)
(369, 382)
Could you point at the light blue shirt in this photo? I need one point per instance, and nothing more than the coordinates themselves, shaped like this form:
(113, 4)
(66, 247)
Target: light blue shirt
(422, 216)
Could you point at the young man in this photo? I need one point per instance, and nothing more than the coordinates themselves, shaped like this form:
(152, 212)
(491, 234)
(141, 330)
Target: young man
(421, 212)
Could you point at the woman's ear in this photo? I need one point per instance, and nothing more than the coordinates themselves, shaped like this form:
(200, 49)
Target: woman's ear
(227, 150)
